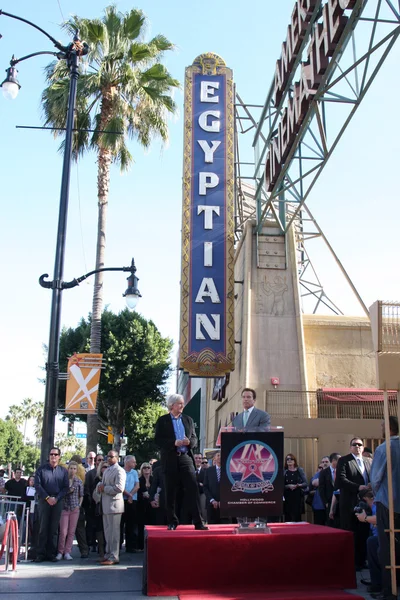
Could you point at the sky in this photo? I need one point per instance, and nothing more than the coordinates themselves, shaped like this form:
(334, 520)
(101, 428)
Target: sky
(355, 201)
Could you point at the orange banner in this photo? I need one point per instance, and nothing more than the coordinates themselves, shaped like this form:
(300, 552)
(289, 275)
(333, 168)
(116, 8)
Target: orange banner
(83, 383)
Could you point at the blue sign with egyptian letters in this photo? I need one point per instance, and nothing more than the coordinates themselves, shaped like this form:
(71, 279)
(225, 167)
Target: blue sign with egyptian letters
(207, 328)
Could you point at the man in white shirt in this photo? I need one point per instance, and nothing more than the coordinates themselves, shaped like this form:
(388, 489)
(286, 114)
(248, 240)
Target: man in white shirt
(90, 461)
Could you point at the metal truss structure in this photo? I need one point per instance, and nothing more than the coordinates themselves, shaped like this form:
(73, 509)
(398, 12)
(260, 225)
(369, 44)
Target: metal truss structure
(370, 33)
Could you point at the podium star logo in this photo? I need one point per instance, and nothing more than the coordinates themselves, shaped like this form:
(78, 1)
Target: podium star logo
(253, 465)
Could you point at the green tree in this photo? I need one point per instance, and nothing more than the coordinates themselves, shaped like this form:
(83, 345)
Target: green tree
(11, 444)
(69, 445)
(137, 366)
(139, 429)
(21, 414)
(29, 459)
(124, 93)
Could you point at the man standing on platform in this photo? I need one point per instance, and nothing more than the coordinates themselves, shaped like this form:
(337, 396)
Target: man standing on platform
(352, 476)
(175, 436)
(379, 481)
(252, 418)
(112, 505)
(51, 484)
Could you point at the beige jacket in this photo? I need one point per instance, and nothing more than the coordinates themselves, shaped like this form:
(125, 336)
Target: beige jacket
(112, 500)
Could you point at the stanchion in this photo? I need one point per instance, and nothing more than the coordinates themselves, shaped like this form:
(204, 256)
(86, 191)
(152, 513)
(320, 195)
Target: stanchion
(9, 543)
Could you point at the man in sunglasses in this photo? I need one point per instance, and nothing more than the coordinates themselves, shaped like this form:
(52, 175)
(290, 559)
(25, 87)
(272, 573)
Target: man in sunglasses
(51, 484)
(353, 476)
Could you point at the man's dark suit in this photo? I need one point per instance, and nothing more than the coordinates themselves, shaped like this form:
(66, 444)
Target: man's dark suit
(258, 420)
(348, 480)
(178, 468)
(211, 490)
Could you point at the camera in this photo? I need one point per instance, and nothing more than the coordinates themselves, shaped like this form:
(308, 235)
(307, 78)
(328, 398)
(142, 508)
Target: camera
(362, 506)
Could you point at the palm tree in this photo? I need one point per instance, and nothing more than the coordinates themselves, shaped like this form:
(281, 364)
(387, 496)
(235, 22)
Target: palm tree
(20, 414)
(124, 92)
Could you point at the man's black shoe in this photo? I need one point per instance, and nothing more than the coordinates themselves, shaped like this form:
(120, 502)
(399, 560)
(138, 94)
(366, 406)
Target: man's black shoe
(53, 559)
(374, 589)
(39, 559)
(365, 582)
(172, 526)
(384, 596)
(201, 527)
(84, 555)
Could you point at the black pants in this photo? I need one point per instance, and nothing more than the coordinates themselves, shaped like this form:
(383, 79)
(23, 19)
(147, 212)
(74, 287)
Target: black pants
(182, 473)
(319, 517)
(129, 526)
(49, 520)
(80, 534)
(382, 523)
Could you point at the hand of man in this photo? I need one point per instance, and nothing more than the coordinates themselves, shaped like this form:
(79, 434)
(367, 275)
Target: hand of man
(185, 441)
(215, 504)
(292, 486)
(130, 500)
(154, 504)
(362, 487)
(100, 487)
(361, 516)
(179, 443)
(52, 501)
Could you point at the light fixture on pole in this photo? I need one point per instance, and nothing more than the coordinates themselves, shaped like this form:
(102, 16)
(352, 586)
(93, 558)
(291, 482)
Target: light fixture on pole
(132, 293)
(10, 86)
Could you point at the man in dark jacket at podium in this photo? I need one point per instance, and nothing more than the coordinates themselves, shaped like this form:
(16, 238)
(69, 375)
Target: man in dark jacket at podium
(252, 418)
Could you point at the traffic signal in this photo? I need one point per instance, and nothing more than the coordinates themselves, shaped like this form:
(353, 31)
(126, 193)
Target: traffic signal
(110, 437)
(70, 428)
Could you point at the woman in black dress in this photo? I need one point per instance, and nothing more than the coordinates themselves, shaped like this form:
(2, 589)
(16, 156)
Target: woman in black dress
(144, 508)
(295, 488)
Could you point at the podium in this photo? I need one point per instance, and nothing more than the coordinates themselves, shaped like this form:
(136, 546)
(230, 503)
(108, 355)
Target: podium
(251, 475)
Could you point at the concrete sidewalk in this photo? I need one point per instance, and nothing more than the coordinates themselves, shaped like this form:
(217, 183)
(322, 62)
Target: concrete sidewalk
(80, 579)
(86, 579)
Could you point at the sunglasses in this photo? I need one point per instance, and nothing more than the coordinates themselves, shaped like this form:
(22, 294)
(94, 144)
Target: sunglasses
(146, 467)
(54, 454)
(204, 462)
(357, 444)
(290, 458)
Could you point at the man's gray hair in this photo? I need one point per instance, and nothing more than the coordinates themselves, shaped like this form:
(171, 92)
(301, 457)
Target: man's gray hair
(128, 458)
(172, 399)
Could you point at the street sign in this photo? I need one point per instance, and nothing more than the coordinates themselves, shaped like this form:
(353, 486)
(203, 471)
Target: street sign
(81, 435)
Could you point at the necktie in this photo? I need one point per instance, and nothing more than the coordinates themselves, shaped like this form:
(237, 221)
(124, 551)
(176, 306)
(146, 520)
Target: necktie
(245, 417)
(219, 473)
(334, 475)
(363, 470)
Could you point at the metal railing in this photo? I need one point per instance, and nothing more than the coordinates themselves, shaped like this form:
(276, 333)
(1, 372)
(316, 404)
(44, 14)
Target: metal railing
(329, 404)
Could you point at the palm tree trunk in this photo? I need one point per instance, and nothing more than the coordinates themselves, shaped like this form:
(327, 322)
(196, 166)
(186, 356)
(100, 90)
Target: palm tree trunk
(103, 184)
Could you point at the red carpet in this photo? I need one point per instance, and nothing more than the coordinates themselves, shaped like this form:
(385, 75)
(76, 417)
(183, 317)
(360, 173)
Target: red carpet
(203, 564)
(282, 595)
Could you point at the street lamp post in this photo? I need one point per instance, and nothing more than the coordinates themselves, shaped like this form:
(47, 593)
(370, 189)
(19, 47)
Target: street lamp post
(10, 85)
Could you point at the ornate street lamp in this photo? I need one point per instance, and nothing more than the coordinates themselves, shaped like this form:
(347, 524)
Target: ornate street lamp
(11, 86)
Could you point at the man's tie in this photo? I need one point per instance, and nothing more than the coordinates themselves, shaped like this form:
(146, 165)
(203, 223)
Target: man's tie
(363, 470)
(219, 473)
(245, 417)
(334, 476)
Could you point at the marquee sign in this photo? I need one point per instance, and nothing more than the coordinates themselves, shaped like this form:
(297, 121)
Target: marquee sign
(207, 327)
(324, 38)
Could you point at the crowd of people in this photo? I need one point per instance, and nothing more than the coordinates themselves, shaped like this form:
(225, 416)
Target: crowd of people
(105, 505)
(351, 492)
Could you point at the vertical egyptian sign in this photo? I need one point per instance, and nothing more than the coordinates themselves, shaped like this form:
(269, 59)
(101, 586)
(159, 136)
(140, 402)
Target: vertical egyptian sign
(83, 383)
(207, 322)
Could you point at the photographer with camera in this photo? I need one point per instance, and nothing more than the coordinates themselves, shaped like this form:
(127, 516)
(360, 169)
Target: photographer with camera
(365, 511)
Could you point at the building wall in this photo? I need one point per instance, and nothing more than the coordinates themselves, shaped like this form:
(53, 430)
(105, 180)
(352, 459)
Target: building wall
(339, 352)
(306, 352)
